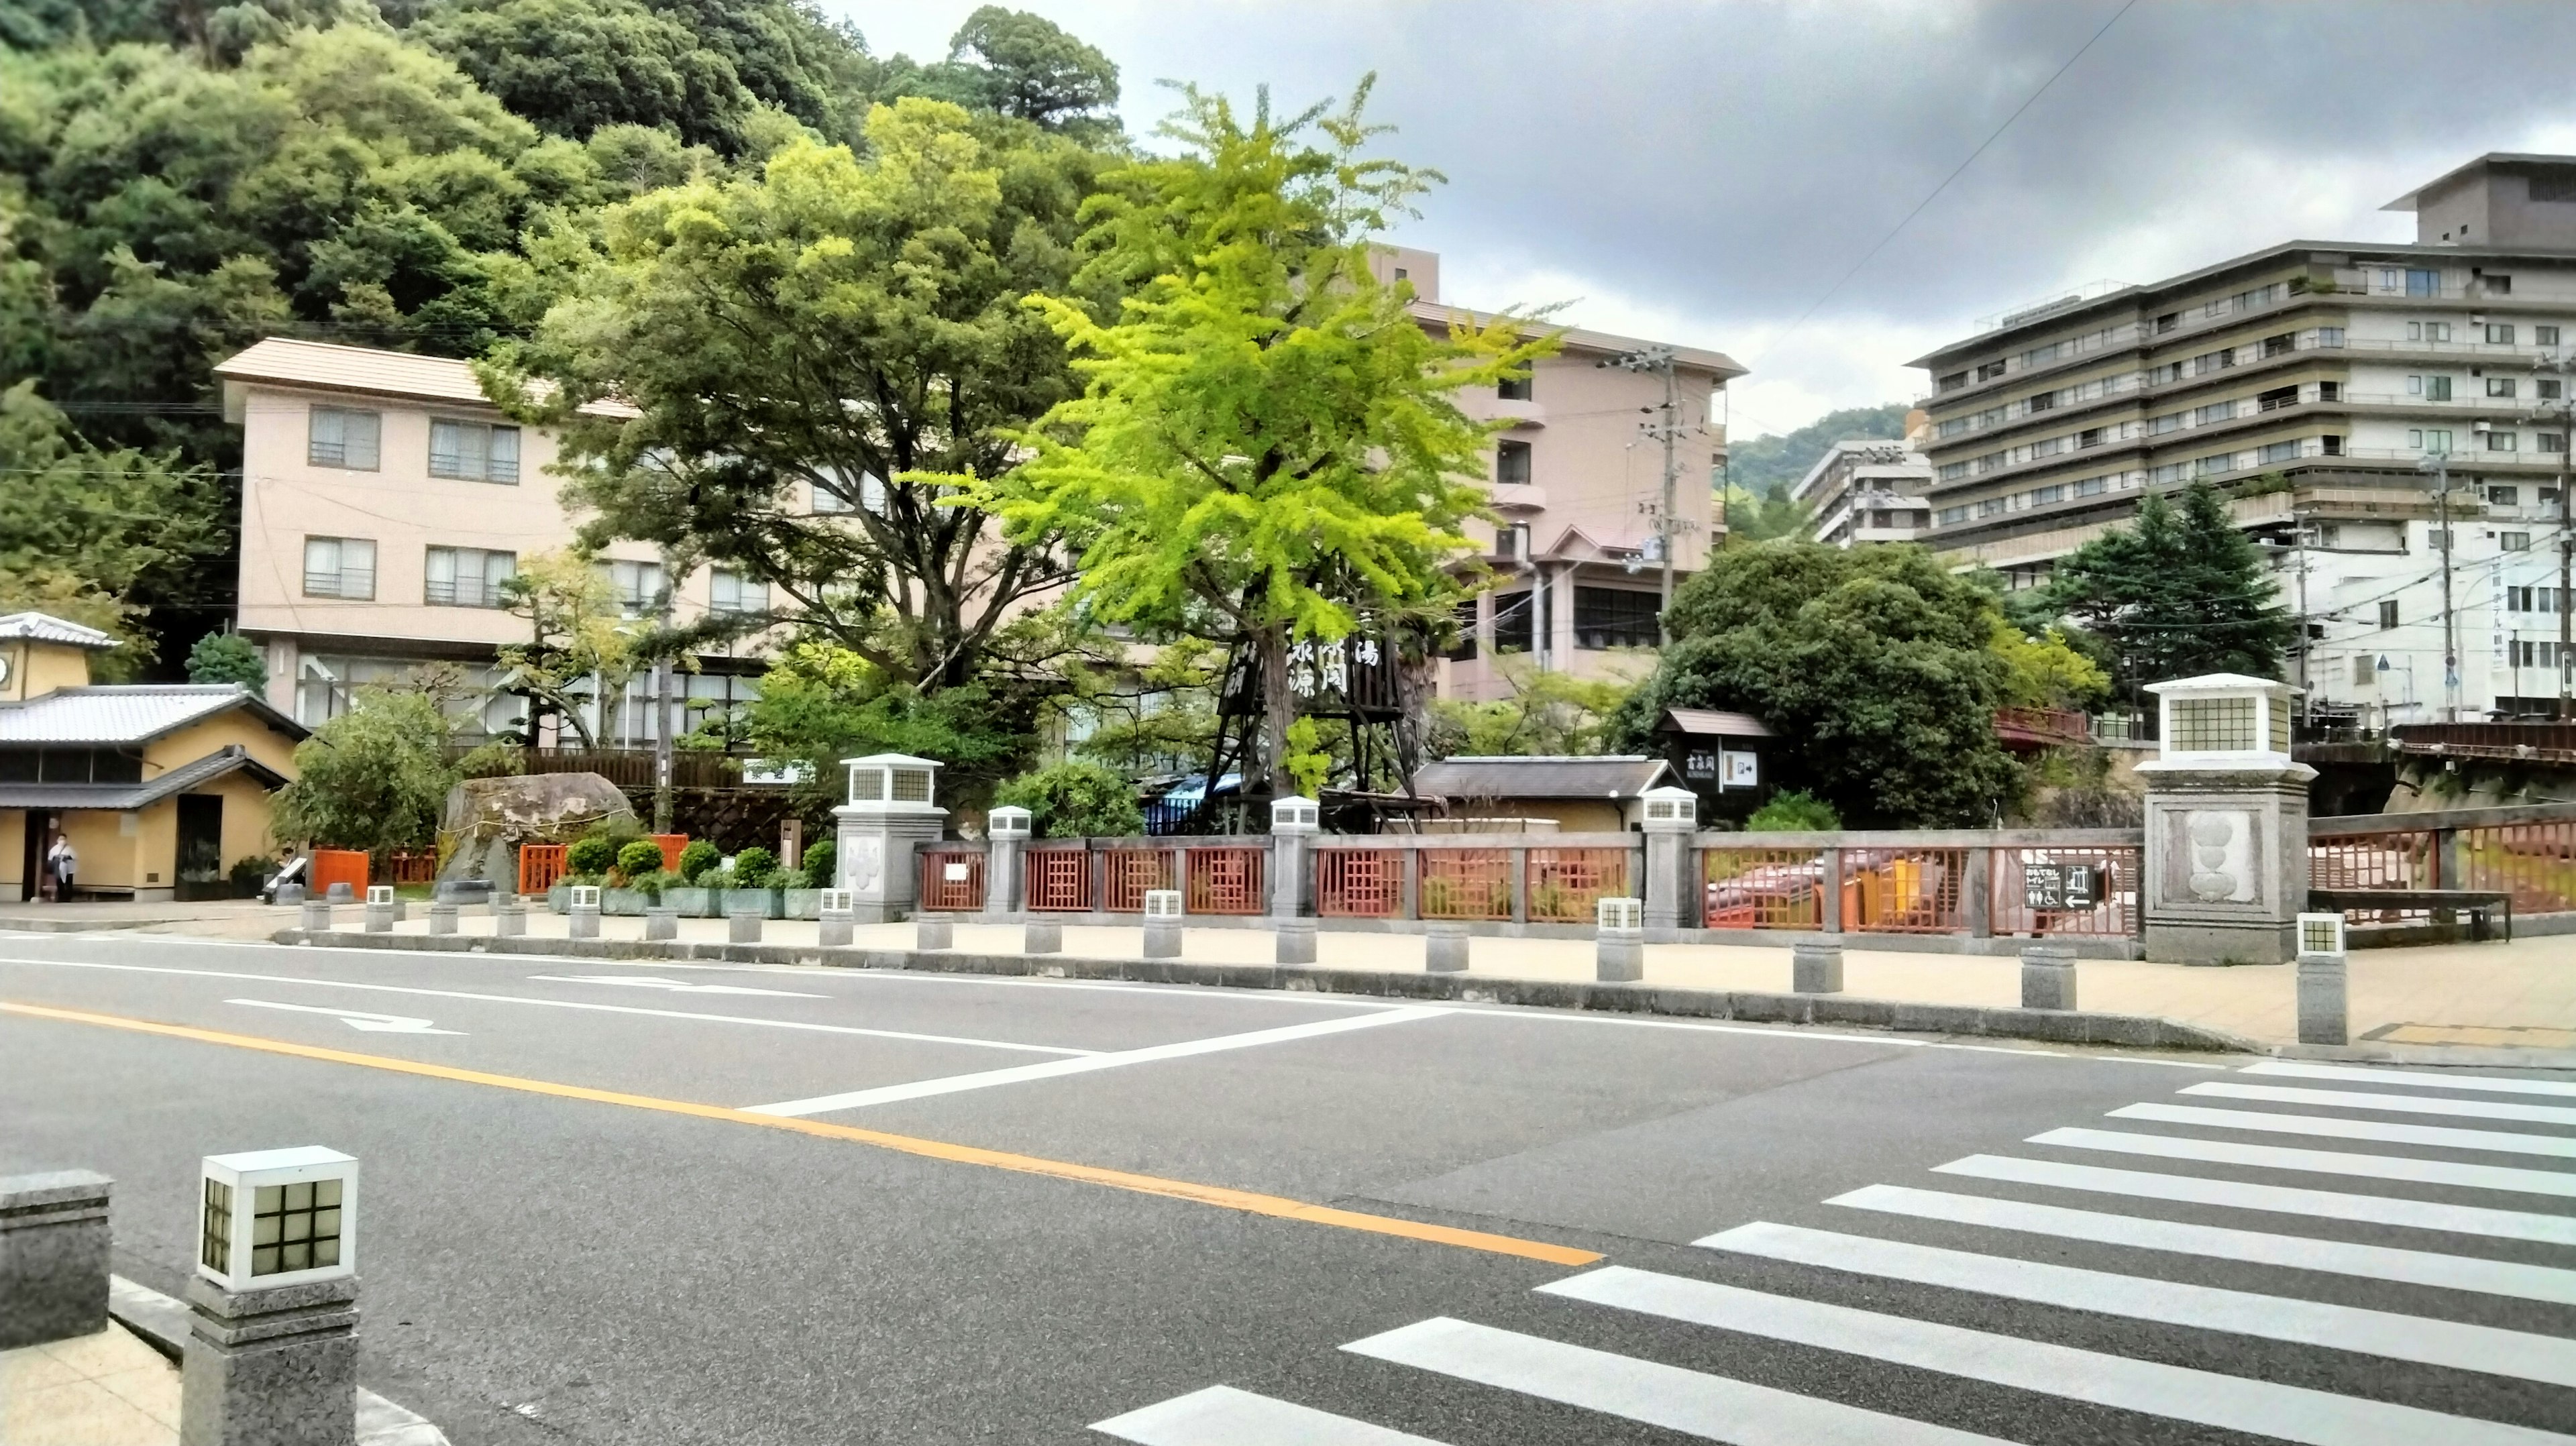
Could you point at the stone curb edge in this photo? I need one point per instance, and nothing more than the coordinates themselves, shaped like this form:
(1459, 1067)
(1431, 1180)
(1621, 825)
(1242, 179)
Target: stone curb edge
(2130, 1031)
(162, 1323)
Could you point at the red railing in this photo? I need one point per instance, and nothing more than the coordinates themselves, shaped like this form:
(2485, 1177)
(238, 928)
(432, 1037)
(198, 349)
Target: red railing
(1359, 883)
(1565, 884)
(670, 844)
(1466, 884)
(952, 880)
(1226, 880)
(540, 865)
(1904, 891)
(1763, 888)
(1059, 880)
(338, 866)
(2533, 862)
(407, 867)
(1127, 874)
(2043, 726)
(2112, 910)
(2406, 860)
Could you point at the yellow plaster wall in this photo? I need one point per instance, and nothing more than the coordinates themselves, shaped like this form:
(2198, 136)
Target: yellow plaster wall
(36, 669)
(106, 856)
(246, 810)
(1572, 815)
(13, 850)
(195, 741)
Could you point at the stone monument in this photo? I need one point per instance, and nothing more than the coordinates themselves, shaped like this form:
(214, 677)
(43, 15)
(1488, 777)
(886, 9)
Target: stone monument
(888, 817)
(2227, 824)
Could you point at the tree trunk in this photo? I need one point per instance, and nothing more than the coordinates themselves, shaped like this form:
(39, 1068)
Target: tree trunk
(1278, 710)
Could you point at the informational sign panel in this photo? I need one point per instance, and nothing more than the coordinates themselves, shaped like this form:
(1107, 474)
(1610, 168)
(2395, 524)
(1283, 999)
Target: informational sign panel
(2056, 886)
(1742, 770)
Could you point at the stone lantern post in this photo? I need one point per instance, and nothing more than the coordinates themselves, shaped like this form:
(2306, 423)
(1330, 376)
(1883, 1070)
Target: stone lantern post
(2226, 873)
(889, 815)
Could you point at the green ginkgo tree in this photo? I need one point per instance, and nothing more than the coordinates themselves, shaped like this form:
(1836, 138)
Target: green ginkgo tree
(1268, 449)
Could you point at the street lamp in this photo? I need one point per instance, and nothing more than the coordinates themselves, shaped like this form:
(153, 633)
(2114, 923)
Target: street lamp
(278, 1217)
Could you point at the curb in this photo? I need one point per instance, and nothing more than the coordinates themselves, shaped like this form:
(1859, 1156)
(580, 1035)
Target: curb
(162, 1323)
(2129, 1031)
(2443, 1056)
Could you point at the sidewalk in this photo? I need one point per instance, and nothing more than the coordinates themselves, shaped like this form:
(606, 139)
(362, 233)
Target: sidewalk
(2495, 996)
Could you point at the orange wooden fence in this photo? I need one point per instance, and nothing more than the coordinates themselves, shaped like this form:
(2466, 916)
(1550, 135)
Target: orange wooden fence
(539, 866)
(339, 866)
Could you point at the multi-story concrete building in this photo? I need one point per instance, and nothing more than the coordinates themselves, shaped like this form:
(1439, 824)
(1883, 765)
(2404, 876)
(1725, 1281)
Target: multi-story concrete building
(384, 501)
(1578, 484)
(2323, 383)
(1866, 492)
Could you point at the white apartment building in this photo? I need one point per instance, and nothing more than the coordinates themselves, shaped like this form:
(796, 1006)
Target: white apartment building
(2323, 383)
(384, 501)
(1577, 486)
(1866, 492)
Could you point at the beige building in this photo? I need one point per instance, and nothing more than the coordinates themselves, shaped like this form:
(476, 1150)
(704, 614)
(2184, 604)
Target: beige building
(1578, 482)
(1860, 493)
(384, 501)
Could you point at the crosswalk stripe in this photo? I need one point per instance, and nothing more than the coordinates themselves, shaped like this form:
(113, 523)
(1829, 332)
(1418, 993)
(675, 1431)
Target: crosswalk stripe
(1224, 1416)
(2442, 1137)
(2298, 1252)
(2277, 1199)
(1682, 1400)
(2488, 1083)
(2388, 1103)
(2321, 1162)
(2232, 1403)
(2431, 1342)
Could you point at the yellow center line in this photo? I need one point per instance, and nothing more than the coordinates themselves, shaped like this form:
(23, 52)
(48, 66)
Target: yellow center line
(1248, 1201)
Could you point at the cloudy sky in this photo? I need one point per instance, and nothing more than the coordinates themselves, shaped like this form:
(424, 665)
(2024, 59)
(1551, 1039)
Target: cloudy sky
(1708, 173)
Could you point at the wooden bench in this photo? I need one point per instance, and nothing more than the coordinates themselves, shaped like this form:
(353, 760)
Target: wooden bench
(2441, 902)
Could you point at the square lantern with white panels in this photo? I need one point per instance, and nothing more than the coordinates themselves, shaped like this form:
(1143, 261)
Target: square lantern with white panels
(585, 896)
(2222, 718)
(1008, 821)
(1295, 815)
(1612, 913)
(1670, 808)
(1162, 903)
(892, 781)
(2321, 936)
(278, 1217)
(380, 893)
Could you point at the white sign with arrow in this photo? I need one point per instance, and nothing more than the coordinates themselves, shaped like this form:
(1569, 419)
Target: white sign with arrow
(372, 1023)
(676, 986)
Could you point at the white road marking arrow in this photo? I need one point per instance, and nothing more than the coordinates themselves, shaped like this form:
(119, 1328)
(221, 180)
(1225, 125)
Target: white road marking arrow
(356, 1018)
(676, 986)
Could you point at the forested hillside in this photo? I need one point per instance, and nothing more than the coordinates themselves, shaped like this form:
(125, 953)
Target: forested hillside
(179, 178)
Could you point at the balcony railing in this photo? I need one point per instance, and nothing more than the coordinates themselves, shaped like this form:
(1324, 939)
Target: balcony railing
(342, 584)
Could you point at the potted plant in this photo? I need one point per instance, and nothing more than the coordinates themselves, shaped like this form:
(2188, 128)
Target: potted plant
(691, 892)
(821, 862)
(747, 884)
(636, 860)
(798, 898)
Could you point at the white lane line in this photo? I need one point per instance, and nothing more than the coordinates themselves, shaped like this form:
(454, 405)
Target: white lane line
(849, 1029)
(2255, 1247)
(2386, 1103)
(676, 986)
(1057, 1069)
(2438, 1136)
(367, 1020)
(2275, 1199)
(2489, 1083)
(2427, 1341)
(1224, 1416)
(2231, 1403)
(1703, 1405)
(2320, 1162)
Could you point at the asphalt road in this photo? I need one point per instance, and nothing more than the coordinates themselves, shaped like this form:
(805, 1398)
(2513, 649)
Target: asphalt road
(966, 1210)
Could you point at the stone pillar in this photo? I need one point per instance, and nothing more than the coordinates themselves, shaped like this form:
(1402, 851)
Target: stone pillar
(1006, 831)
(1829, 887)
(888, 818)
(1444, 947)
(2325, 1015)
(340, 893)
(1816, 968)
(2047, 976)
(381, 909)
(742, 926)
(316, 917)
(290, 893)
(834, 929)
(1294, 824)
(270, 1366)
(1672, 891)
(442, 918)
(581, 913)
(1042, 936)
(661, 921)
(1162, 923)
(1619, 941)
(53, 1257)
(510, 917)
(1293, 941)
(933, 933)
(1977, 893)
(2226, 823)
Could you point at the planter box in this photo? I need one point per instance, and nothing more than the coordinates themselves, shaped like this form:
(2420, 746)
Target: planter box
(801, 903)
(626, 903)
(559, 899)
(690, 903)
(767, 901)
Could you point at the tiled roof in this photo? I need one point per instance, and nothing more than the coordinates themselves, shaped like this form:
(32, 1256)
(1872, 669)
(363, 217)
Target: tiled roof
(123, 796)
(133, 714)
(1593, 776)
(285, 361)
(46, 628)
(1715, 723)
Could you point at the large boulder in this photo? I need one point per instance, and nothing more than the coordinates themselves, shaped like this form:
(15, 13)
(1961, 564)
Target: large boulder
(488, 818)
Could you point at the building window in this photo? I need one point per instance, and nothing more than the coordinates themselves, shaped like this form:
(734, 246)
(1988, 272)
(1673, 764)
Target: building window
(2544, 336)
(2169, 422)
(2430, 439)
(1952, 382)
(473, 451)
(2437, 389)
(834, 494)
(1988, 371)
(2214, 462)
(2042, 496)
(1513, 389)
(2330, 446)
(2499, 286)
(2214, 412)
(2500, 333)
(1953, 471)
(2039, 402)
(339, 437)
(2499, 386)
(2168, 322)
(2092, 486)
(2514, 541)
(1515, 623)
(1463, 647)
(2330, 391)
(2277, 398)
(2551, 442)
(2548, 389)
(1511, 464)
(2388, 612)
(730, 592)
(1610, 617)
(2423, 283)
(639, 586)
(2280, 345)
(1989, 506)
(2363, 674)
(2329, 336)
(468, 577)
(2271, 452)
(2503, 496)
(341, 567)
(2500, 441)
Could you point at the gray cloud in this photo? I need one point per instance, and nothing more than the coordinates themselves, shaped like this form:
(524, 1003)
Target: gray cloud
(1711, 169)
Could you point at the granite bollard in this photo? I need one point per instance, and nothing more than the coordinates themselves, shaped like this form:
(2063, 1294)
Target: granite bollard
(743, 926)
(661, 921)
(1295, 941)
(1042, 936)
(1444, 947)
(836, 919)
(315, 917)
(1816, 968)
(510, 917)
(53, 1257)
(1162, 923)
(930, 933)
(442, 918)
(2047, 976)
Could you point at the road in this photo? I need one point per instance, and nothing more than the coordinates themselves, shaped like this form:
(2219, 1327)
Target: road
(608, 1203)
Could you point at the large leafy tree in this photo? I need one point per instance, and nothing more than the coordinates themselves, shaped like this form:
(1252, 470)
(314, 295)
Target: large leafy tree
(1268, 448)
(1875, 667)
(2176, 593)
(797, 352)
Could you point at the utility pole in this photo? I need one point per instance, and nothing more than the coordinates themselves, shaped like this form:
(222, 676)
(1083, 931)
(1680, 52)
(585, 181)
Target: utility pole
(2565, 415)
(2439, 464)
(2307, 695)
(1669, 428)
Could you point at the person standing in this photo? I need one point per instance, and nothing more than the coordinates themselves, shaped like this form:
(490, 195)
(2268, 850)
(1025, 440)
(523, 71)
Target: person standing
(62, 863)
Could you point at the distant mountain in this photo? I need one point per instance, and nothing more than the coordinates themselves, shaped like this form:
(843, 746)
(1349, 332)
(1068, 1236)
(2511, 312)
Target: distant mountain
(1757, 466)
